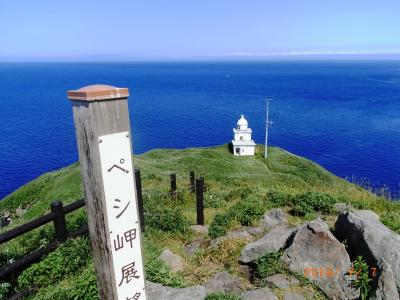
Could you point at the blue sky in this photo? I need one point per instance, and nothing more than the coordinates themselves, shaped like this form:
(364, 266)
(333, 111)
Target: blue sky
(44, 30)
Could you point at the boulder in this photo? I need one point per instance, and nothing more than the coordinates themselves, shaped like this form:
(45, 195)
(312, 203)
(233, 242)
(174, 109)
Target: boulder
(273, 241)
(155, 291)
(223, 282)
(293, 296)
(386, 286)
(255, 230)
(274, 218)
(238, 234)
(368, 237)
(193, 247)
(231, 235)
(20, 211)
(342, 207)
(174, 261)
(259, 294)
(202, 229)
(317, 254)
(281, 281)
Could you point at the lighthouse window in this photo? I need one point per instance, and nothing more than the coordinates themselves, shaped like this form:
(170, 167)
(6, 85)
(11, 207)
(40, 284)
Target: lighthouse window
(237, 150)
(241, 137)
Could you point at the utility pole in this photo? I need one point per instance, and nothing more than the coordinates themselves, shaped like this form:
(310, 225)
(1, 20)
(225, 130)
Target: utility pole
(267, 124)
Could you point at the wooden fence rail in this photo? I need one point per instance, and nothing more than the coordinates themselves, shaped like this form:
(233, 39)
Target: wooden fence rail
(57, 216)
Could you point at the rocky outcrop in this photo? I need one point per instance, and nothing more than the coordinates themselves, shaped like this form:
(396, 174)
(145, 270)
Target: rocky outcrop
(386, 286)
(342, 207)
(155, 291)
(223, 282)
(317, 254)
(200, 229)
(273, 241)
(259, 294)
(293, 296)
(174, 261)
(368, 237)
(193, 247)
(281, 281)
(274, 218)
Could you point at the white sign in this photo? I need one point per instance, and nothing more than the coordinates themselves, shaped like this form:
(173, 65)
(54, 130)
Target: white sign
(122, 215)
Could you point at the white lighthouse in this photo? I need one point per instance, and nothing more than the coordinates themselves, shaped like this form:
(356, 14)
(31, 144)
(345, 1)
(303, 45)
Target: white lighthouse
(242, 142)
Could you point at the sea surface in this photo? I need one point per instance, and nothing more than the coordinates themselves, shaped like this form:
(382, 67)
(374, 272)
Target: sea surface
(344, 115)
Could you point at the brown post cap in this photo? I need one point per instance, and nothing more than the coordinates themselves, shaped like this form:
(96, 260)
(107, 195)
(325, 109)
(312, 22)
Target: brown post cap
(98, 92)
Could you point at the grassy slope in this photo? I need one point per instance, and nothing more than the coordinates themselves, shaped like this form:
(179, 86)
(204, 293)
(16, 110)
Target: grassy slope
(223, 173)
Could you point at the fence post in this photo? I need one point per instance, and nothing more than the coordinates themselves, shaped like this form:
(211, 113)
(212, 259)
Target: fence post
(200, 200)
(60, 225)
(192, 184)
(173, 184)
(138, 181)
(103, 137)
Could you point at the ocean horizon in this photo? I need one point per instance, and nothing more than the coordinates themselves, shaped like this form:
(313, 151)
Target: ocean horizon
(343, 115)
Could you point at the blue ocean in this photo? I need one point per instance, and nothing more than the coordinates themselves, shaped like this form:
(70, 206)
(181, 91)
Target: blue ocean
(344, 115)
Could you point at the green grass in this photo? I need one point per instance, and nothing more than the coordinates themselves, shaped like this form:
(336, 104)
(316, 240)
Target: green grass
(240, 190)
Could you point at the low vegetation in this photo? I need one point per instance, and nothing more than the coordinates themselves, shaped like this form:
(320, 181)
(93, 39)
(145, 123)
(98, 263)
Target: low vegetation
(239, 191)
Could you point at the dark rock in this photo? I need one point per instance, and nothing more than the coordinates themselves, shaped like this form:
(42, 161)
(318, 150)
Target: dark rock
(223, 282)
(368, 237)
(314, 248)
(155, 291)
(273, 241)
(259, 294)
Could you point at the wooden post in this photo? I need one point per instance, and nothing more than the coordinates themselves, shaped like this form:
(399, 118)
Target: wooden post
(192, 184)
(104, 145)
(200, 200)
(138, 181)
(173, 184)
(60, 225)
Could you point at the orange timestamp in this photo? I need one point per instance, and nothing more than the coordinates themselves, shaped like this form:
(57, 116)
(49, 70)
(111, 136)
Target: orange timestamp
(330, 271)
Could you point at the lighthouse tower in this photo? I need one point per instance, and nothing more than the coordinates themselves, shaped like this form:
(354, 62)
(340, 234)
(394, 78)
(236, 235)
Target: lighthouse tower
(242, 142)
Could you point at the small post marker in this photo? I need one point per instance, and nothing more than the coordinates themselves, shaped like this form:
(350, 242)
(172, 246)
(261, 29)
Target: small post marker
(173, 185)
(192, 184)
(200, 200)
(104, 145)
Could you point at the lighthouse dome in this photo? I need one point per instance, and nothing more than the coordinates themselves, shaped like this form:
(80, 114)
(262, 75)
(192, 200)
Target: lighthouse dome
(242, 123)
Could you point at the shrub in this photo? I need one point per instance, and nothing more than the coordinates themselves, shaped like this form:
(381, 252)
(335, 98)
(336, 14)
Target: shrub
(310, 202)
(279, 199)
(363, 282)
(219, 225)
(248, 211)
(268, 265)
(239, 193)
(5, 288)
(85, 287)
(158, 272)
(67, 259)
(213, 200)
(222, 296)
(169, 219)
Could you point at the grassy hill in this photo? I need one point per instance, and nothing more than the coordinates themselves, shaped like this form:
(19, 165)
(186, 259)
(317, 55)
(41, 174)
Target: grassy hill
(234, 185)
